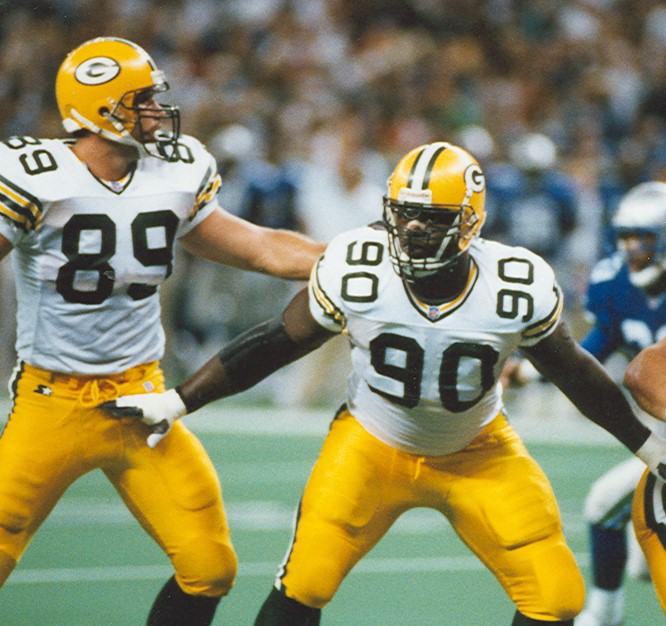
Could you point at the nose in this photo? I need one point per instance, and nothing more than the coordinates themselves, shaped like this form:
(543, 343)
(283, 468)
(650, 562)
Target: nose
(632, 242)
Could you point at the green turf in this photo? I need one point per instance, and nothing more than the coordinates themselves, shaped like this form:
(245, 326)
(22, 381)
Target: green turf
(100, 569)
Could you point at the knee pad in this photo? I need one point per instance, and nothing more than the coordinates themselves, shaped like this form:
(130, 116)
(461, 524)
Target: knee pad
(560, 585)
(206, 567)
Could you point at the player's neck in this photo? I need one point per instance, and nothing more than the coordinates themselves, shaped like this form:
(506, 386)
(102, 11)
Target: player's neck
(444, 286)
(105, 159)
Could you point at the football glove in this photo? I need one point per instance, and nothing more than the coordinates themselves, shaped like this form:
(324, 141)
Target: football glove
(653, 454)
(158, 411)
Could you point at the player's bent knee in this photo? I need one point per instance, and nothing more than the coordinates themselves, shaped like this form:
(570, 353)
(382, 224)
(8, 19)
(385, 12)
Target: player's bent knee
(7, 565)
(564, 597)
(206, 568)
(315, 590)
(559, 592)
(313, 598)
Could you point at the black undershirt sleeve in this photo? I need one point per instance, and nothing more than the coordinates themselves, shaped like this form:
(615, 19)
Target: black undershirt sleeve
(242, 363)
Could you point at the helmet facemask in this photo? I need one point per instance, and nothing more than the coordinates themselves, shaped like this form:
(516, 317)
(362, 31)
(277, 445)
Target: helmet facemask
(645, 256)
(130, 110)
(640, 227)
(107, 86)
(424, 239)
(433, 208)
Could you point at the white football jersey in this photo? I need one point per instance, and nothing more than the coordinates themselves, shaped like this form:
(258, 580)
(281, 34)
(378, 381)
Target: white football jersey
(89, 255)
(424, 378)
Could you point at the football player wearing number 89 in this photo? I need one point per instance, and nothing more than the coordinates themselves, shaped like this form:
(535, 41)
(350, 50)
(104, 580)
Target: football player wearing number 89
(92, 222)
(432, 312)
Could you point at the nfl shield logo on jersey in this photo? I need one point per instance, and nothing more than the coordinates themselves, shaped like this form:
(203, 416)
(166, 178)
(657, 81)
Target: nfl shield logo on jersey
(433, 312)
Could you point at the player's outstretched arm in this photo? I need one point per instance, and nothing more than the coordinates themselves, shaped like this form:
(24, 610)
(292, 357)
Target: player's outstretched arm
(242, 363)
(225, 238)
(587, 384)
(5, 247)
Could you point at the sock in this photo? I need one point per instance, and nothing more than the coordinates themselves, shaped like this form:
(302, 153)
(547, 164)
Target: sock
(521, 620)
(606, 606)
(174, 607)
(279, 610)
(609, 556)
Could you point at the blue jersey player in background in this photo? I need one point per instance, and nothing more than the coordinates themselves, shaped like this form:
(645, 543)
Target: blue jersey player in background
(626, 297)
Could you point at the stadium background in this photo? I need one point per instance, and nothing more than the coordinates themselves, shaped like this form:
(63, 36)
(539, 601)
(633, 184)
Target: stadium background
(307, 104)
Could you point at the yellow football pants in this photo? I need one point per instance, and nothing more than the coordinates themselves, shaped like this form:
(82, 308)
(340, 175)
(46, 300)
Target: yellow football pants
(55, 434)
(493, 493)
(649, 517)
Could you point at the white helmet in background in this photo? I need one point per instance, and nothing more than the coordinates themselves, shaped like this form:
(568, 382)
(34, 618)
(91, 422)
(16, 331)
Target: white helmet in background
(641, 216)
(533, 152)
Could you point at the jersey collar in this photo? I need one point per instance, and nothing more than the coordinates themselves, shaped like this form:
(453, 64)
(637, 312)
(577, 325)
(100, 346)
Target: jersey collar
(435, 312)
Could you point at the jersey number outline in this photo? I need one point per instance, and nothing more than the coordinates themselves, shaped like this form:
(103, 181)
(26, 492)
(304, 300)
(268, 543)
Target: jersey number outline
(98, 262)
(362, 286)
(411, 373)
(40, 161)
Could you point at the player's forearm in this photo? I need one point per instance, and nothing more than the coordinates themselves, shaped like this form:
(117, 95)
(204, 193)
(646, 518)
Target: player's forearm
(241, 364)
(288, 254)
(587, 384)
(5, 247)
(596, 396)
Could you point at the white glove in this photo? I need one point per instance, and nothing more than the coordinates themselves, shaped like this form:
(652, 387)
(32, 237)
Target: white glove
(653, 454)
(158, 411)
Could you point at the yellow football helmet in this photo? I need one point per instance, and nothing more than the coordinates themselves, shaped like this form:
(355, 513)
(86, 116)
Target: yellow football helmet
(433, 209)
(101, 87)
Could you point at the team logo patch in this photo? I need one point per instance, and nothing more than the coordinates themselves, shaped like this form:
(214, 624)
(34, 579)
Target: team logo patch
(97, 71)
(433, 312)
(43, 390)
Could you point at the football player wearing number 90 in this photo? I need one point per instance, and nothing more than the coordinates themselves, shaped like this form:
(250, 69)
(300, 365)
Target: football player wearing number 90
(432, 312)
(92, 222)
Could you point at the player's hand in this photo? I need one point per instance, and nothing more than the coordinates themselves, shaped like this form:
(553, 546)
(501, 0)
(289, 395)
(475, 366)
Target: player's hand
(653, 454)
(158, 411)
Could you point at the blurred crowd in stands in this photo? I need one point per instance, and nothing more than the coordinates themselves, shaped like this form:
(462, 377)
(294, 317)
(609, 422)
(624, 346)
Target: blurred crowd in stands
(308, 104)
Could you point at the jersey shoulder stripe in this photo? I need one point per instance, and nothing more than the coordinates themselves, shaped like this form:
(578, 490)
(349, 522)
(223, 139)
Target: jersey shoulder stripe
(20, 206)
(207, 190)
(543, 327)
(331, 311)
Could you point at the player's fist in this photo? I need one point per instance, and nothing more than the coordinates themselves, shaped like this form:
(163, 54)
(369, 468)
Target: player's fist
(157, 410)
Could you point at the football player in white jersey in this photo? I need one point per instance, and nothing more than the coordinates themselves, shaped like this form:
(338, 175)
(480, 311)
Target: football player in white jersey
(645, 377)
(432, 313)
(92, 222)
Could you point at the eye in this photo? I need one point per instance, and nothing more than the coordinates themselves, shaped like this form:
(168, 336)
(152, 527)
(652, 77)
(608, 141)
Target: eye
(143, 96)
(410, 214)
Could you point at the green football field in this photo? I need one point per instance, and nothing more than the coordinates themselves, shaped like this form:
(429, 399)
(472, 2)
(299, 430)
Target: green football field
(90, 564)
